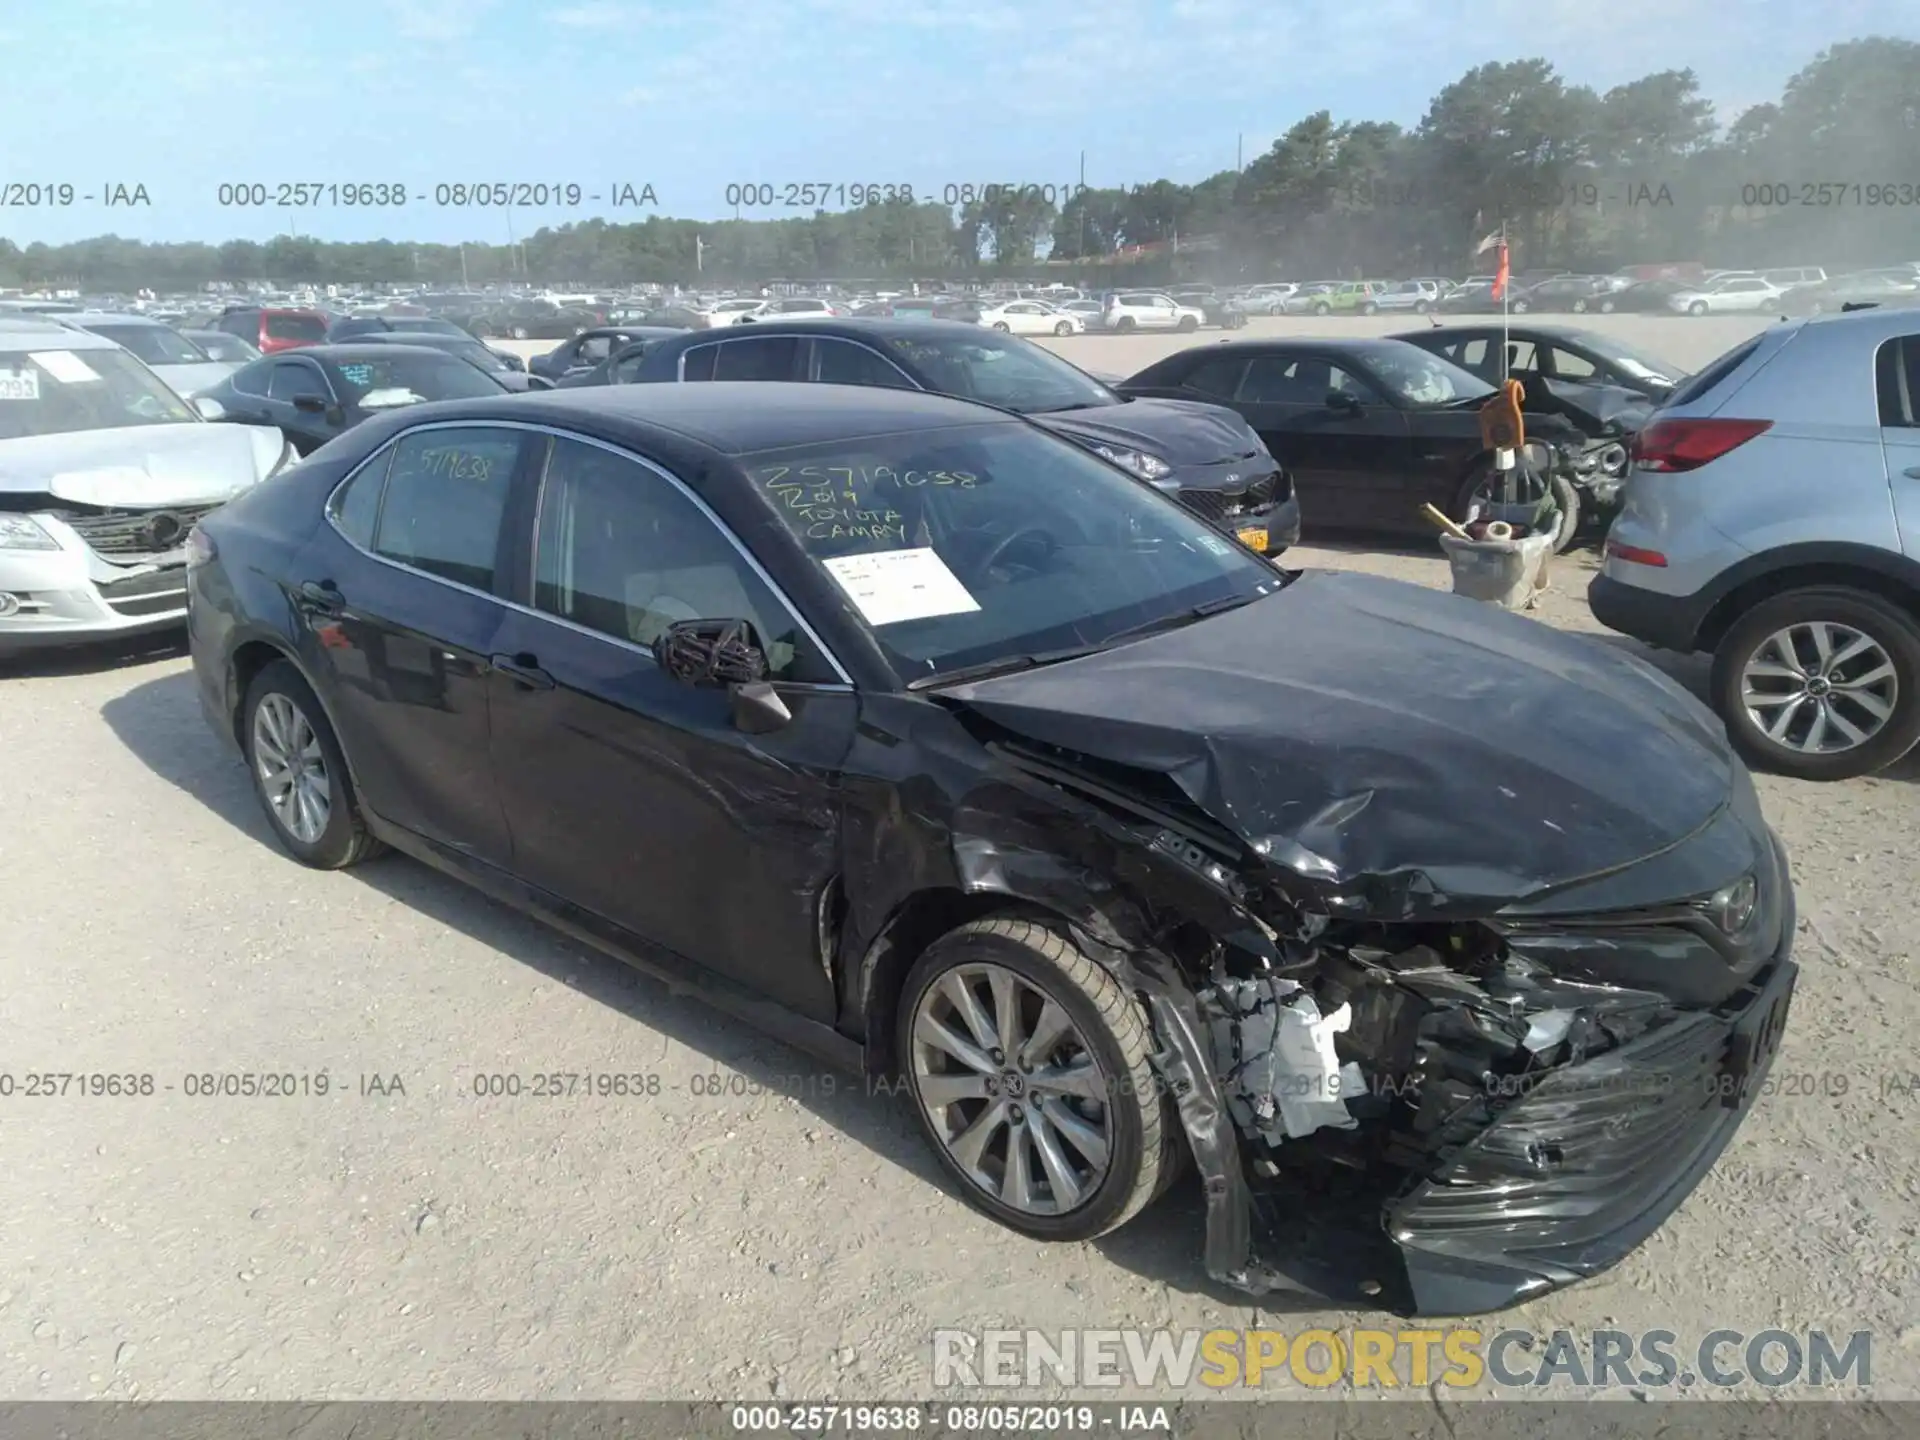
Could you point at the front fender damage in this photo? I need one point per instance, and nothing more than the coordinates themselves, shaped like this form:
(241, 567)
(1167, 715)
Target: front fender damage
(1342, 1080)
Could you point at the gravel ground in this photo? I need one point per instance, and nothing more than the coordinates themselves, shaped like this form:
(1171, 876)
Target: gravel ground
(743, 1233)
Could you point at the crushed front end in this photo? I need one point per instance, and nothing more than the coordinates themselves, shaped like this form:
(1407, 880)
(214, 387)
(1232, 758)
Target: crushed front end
(1493, 1108)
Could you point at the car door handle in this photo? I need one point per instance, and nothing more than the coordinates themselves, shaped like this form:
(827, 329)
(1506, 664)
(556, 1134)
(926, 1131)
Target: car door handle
(322, 597)
(523, 669)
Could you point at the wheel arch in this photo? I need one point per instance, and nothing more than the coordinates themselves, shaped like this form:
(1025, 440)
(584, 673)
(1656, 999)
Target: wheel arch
(249, 658)
(917, 921)
(1802, 567)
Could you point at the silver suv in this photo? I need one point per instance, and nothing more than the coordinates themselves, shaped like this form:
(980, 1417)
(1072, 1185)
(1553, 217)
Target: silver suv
(1773, 518)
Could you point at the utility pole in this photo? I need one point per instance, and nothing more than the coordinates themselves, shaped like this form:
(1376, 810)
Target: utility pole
(1240, 152)
(1083, 205)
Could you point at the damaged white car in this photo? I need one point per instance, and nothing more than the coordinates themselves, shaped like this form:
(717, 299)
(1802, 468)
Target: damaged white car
(104, 470)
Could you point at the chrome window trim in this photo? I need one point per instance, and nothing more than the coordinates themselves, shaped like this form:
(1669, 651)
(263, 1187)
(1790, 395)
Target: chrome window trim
(753, 563)
(680, 368)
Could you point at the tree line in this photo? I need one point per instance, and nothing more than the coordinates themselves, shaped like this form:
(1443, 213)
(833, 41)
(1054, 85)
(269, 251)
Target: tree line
(1644, 172)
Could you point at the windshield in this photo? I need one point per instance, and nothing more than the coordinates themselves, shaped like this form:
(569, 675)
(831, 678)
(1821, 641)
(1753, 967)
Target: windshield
(984, 542)
(1418, 378)
(1003, 371)
(155, 344)
(398, 380)
(62, 392)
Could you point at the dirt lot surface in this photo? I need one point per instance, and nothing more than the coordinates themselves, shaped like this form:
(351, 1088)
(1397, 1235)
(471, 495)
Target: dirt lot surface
(743, 1233)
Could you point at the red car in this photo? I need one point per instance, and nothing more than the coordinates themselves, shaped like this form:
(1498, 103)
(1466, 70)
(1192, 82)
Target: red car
(271, 328)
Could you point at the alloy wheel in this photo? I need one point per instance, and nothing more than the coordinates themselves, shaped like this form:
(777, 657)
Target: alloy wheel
(1819, 687)
(292, 769)
(1011, 1088)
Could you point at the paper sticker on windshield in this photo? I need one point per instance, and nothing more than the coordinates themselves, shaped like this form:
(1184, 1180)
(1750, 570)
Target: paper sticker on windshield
(65, 366)
(19, 384)
(890, 586)
(1216, 544)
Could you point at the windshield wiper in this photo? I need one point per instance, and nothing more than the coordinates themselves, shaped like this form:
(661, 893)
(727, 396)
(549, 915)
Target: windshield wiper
(1180, 617)
(1005, 665)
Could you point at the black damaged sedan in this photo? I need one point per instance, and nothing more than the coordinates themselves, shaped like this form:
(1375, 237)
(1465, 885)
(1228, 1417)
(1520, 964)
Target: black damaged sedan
(939, 746)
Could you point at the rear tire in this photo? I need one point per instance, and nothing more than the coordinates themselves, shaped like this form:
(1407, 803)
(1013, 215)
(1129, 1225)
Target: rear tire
(1003, 327)
(1063, 328)
(281, 719)
(1751, 641)
(1133, 1116)
(1124, 325)
(1579, 307)
(1323, 309)
(1698, 307)
(519, 332)
(1606, 307)
(1187, 325)
(1369, 309)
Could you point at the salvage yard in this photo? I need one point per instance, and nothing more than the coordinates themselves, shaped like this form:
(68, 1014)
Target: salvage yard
(743, 1225)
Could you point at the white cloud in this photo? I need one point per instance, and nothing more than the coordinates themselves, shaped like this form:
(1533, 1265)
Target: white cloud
(437, 20)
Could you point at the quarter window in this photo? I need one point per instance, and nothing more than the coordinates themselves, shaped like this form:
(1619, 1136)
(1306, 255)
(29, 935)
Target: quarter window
(622, 550)
(697, 363)
(446, 494)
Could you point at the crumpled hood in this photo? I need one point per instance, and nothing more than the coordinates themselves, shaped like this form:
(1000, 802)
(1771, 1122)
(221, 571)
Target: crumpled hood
(1181, 432)
(1600, 409)
(142, 465)
(1399, 749)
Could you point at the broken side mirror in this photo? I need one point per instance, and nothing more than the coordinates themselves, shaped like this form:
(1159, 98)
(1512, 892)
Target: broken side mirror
(724, 654)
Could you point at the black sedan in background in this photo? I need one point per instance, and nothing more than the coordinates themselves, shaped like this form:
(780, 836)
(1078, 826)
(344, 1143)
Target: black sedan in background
(319, 392)
(622, 367)
(1204, 454)
(1370, 429)
(918, 735)
(590, 348)
(530, 320)
(1646, 297)
(509, 370)
(1555, 352)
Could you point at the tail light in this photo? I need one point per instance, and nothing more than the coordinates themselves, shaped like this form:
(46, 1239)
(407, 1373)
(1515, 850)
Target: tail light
(1674, 445)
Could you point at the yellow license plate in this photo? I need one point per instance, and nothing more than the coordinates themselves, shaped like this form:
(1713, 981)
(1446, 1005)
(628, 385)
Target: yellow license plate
(1254, 540)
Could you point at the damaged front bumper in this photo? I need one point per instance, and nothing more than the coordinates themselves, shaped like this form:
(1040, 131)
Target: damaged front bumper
(1521, 1185)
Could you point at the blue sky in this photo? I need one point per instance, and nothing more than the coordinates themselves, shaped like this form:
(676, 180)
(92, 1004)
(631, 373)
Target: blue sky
(182, 95)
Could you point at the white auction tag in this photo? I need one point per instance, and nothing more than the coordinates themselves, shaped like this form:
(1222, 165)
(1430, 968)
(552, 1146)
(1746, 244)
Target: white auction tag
(890, 586)
(65, 366)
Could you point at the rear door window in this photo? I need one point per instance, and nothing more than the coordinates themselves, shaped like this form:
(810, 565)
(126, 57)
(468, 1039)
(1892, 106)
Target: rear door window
(446, 495)
(291, 380)
(771, 358)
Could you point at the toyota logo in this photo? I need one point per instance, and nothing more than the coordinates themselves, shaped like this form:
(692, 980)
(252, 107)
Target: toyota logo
(164, 531)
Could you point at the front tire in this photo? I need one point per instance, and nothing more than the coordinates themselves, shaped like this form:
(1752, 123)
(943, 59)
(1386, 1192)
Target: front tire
(1125, 325)
(519, 332)
(1579, 307)
(1369, 309)
(299, 774)
(1520, 307)
(1028, 1063)
(1820, 684)
(1421, 307)
(1063, 328)
(1607, 307)
(1187, 325)
(1698, 307)
(1003, 327)
(1323, 309)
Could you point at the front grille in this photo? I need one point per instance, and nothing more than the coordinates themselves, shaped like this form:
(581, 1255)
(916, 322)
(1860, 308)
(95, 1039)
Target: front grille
(1221, 504)
(131, 532)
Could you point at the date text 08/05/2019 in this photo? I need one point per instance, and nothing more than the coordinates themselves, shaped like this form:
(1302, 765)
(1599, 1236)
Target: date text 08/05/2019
(455, 194)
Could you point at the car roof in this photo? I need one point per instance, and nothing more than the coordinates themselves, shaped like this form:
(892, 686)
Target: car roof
(112, 317)
(1880, 322)
(736, 417)
(847, 328)
(21, 333)
(1360, 348)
